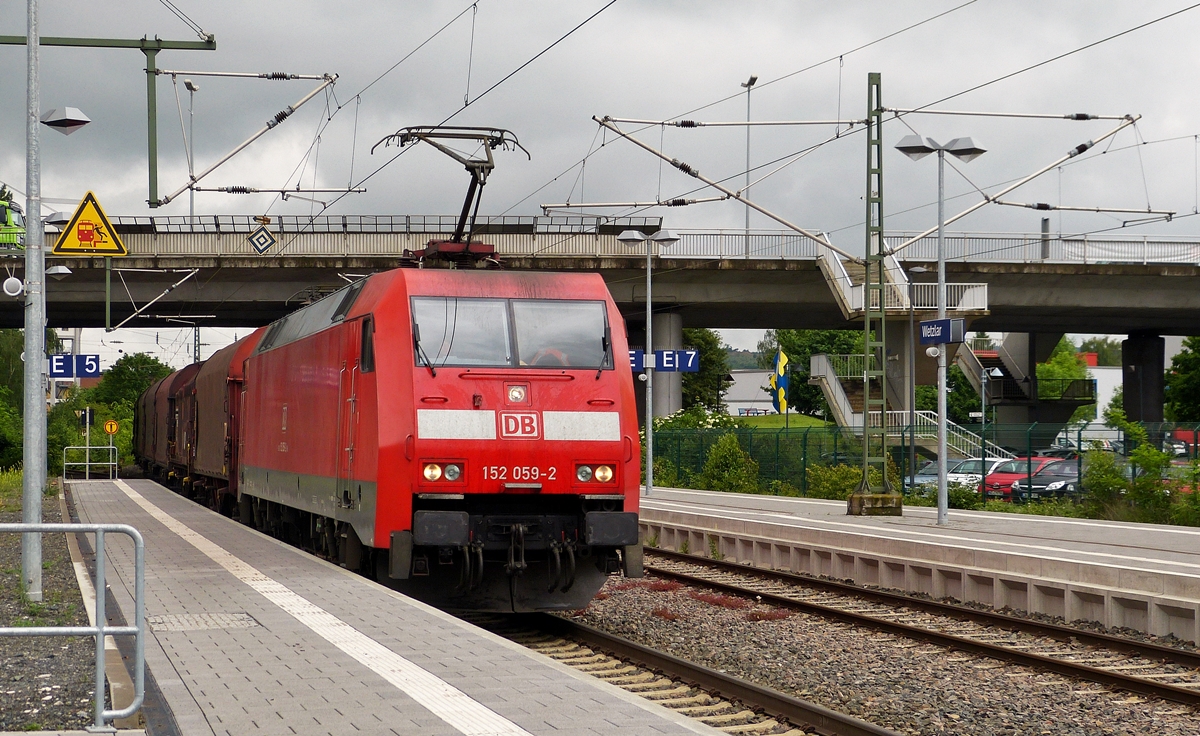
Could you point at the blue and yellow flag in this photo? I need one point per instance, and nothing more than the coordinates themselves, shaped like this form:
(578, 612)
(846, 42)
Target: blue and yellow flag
(779, 383)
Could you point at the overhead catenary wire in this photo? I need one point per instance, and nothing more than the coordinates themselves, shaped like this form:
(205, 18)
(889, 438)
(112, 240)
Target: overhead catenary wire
(457, 112)
(1023, 70)
(839, 58)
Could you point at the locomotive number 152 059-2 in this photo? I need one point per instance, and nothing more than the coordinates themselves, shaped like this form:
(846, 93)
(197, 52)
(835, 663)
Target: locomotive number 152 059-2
(518, 472)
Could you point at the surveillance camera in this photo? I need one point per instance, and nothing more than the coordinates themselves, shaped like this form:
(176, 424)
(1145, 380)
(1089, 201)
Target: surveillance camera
(933, 351)
(13, 286)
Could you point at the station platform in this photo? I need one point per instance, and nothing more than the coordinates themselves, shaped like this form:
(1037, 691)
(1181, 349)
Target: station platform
(250, 636)
(1139, 576)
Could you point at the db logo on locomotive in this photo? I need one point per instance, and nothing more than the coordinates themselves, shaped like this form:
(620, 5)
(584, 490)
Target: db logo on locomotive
(521, 425)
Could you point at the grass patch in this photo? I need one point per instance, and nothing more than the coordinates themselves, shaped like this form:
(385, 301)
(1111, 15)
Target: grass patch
(775, 421)
(10, 490)
(665, 614)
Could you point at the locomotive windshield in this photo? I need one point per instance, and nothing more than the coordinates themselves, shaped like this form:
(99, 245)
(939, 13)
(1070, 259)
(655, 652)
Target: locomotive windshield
(490, 332)
(561, 333)
(453, 331)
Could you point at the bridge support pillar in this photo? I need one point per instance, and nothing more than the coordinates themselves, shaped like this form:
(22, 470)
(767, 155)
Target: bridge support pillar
(1143, 358)
(904, 364)
(668, 387)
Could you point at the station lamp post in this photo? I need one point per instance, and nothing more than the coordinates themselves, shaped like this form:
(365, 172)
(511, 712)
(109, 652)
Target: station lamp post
(662, 238)
(192, 89)
(965, 149)
(748, 85)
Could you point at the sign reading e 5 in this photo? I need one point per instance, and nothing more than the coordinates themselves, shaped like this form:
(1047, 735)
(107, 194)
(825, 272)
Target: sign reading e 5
(65, 365)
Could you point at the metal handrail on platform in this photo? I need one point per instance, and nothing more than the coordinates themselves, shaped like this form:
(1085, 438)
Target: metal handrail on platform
(103, 718)
(88, 463)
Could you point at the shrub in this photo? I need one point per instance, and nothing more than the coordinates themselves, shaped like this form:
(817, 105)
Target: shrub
(728, 468)
(833, 481)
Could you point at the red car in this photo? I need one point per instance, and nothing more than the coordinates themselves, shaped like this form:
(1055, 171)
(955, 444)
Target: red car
(998, 483)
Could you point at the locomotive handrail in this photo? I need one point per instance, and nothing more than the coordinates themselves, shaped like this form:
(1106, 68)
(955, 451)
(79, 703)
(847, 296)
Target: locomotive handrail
(101, 629)
(522, 375)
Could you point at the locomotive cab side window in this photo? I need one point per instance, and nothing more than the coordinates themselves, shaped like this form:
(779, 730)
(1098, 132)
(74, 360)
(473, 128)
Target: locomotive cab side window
(367, 354)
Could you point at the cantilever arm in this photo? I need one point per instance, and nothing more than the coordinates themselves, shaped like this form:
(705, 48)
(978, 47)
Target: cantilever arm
(989, 198)
(608, 123)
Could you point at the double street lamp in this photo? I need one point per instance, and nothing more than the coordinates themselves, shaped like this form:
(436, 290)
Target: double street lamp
(965, 149)
(661, 238)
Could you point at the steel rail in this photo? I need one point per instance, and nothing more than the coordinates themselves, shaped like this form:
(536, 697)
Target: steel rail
(795, 710)
(995, 651)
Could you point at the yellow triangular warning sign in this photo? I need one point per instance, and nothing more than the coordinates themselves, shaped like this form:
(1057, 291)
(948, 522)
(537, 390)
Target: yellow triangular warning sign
(89, 233)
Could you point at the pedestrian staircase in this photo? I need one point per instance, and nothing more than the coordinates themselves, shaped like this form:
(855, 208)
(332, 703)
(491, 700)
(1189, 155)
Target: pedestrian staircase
(846, 277)
(837, 376)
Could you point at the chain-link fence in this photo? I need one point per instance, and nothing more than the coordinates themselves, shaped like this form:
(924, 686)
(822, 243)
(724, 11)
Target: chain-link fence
(795, 456)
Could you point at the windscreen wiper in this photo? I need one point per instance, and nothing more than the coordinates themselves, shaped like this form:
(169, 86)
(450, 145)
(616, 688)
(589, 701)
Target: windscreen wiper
(607, 343)
(421, 351)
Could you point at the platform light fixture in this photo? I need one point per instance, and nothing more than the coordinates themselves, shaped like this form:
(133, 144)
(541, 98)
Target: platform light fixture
(965, 149)
(65, 120)
(661, 238)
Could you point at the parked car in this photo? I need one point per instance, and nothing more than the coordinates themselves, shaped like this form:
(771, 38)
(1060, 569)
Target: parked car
(999, 482)
(1055, 480)
(968, 471)
(927, 476)
(1062, 453)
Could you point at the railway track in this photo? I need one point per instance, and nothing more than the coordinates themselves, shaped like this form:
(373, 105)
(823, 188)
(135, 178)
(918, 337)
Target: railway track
(718, 700)
(1141, 667)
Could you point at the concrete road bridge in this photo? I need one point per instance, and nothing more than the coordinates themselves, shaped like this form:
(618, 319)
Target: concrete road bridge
(1006, 282)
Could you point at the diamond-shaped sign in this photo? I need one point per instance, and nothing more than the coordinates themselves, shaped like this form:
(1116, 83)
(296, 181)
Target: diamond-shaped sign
(262, 239)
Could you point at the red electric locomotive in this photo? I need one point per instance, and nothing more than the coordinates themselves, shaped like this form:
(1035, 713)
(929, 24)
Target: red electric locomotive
(467, 436)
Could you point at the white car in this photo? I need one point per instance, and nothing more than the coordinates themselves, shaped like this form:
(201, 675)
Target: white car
(967, 472)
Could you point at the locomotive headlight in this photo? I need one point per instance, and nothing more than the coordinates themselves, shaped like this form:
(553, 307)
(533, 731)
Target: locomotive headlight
(604, 474)
(453, 472)
(433, 471)
(516, 394)
(583, 473)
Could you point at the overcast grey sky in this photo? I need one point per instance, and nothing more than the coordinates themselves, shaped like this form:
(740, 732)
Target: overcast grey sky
(653, 60)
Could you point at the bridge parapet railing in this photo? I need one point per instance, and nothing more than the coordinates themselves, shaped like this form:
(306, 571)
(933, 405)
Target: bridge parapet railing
(100, 630)
(567, 236)
(1033, 248)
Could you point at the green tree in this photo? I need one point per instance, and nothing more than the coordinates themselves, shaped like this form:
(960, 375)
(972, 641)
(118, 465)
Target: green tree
(1183, 383)
(707, 387)
(740, 359)
(1107, 350)
(1064, 366)
(126, 379)
(12, 368)
(961, 400)
(799, 346)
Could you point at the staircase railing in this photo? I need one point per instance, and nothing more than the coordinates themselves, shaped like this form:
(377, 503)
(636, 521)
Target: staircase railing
(962, 441)
(823, 374)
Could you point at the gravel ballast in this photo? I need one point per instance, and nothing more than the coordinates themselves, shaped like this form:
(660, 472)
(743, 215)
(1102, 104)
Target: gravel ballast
(46, 683)
(908, 686)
